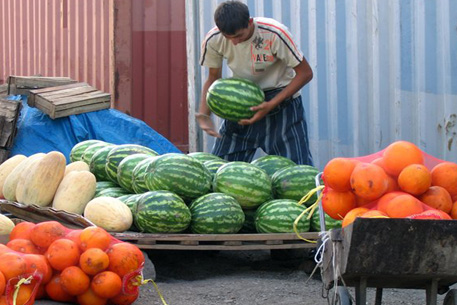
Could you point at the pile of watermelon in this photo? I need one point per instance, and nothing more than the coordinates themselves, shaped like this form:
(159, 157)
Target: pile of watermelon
(200, 192)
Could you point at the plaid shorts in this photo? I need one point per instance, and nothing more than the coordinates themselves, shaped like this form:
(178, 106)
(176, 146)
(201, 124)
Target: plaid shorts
(281, 132)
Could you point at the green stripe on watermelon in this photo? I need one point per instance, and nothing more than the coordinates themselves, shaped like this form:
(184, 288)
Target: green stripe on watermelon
(249, 222)
(79, 148)
(203, 156)
(330, 223)
(247, 183)
(98, 162)
(93, 149)
(214, 165)
(111, 192)
(131, 201)
(180, 174)
(231, 98)
(101, 185)
(161, 212)
(116, 155)
(278, 216)
(125, 170)
(139, 175)
(216, 213)
(294, 182)
(271, 163)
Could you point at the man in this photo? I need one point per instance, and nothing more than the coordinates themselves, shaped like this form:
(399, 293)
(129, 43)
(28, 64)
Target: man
(261, 50)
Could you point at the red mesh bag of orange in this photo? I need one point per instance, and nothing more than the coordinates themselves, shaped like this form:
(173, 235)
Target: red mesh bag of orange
(87, 266)
(401, 181)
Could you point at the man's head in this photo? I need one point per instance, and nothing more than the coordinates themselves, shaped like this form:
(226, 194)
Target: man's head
(233, 20)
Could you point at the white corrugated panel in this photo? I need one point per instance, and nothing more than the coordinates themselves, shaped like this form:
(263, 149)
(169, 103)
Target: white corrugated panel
(384, 70)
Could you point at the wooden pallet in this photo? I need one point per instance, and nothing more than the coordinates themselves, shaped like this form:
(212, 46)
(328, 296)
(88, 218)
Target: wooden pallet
(62, 101)
(218, 241)
(9, 115)
(23, 84)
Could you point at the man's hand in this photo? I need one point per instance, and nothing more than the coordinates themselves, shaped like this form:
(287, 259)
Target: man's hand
(262, 110)
(205, 123)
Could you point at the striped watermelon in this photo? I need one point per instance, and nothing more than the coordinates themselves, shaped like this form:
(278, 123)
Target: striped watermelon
(91, 150)
(139, 175)
(216, 213)
(78, 150)
(232, 98)
(125, 170)
(294, 182)
(278, 216)
(111, 192)
(161, 212)
(213, 165)
(330, 223)
(180, 174)
(101, 185)
(249, 224)
(131, 201)
(203, 156)
(98, 162)
(116, 155)
(272, 163)
(247, 183)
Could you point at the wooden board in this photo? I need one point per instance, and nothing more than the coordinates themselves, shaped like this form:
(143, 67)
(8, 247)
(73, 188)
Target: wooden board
(253, 241)
(9, 114)
(3, 90)
(71, 99)
(4, 154)
(35, 92)
(23, 84)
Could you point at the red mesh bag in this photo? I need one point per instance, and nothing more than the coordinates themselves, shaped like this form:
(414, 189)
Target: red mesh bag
(400, 181)
(85, 266)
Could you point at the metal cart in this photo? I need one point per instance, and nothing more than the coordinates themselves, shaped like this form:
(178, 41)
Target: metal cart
(390, 253)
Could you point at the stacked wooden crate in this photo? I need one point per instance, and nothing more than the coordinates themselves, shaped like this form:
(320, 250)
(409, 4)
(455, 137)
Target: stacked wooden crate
(23, 84)
(9, 114)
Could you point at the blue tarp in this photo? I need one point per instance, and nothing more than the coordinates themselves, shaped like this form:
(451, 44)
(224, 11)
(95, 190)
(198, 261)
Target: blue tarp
(37, 132)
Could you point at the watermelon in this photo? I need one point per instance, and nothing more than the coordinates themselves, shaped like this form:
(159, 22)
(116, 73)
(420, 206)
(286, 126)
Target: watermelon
(247, 183)
(161, 212)
(272, 163)
(116, 155)
(78, 150)
(179, 174)
(294, 182)
(249, 224)
(232, 98)
(278, 216)
(101, 185)
(330, 223)
(139, 175)
(131, 201)
(213, 165)
(125, 170)
(203, 156)
(216, 213)
(91, 150)
(111, 192)
(98, 161)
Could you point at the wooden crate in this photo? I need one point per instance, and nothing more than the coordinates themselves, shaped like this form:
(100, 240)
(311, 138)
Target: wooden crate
(4, 154)
(3, 90)
(62, 101)
(255, 241)
(23, 84)
(9, 114)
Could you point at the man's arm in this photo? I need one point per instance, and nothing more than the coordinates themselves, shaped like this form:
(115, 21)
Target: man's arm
(203, 115)
(303, 75)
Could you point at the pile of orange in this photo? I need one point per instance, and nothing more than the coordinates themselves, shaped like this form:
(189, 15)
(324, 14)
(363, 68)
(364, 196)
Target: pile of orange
(87, 266)
(397, 184)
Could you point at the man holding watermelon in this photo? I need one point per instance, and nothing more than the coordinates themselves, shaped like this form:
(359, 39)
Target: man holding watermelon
(262, 51)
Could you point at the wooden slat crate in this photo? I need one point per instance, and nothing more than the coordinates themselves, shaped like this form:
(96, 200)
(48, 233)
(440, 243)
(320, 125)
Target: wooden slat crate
(3, 90)
(9, 114)
(218, 241)
(70, 99)
(23, 84)
(4, 153)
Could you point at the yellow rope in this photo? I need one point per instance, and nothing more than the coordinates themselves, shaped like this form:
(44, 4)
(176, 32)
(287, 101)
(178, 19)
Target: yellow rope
(142, 281)
(309, 210)
(18, 286)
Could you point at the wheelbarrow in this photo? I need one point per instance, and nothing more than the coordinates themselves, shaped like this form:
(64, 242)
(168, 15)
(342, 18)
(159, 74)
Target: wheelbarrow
(390, 253)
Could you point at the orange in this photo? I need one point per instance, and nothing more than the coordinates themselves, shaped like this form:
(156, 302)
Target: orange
(337, 204)
(3, 300)
(454, 210)
(337, 174)
(25, 294)
(438, 198)
(400, 154)
(374, 214)
(360, 202)
(392, 185)
(22, 230)
(90, 298)
(12, 264)
(38, 263)
(403, 206)
(2, 283)
(41, 292)
(93, 261)
(62, 253)
(379, 162)
(368, 181)
(384, 200)
(415, 179)
(445, 175)
(55, 291)
(124, 258)
(352, 215)
(44, 233)
(4, 249)
(124, 299)
(95, 237)
(106, 284)
(74, 281)
(23, 246)
(431, 214)
(75, 235)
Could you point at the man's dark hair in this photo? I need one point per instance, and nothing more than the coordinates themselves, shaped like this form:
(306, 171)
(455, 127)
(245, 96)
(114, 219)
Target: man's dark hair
(231, 16)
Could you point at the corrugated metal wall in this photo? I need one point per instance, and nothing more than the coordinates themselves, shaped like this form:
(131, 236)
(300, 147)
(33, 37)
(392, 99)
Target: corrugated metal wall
(384, 70)
(56, 38)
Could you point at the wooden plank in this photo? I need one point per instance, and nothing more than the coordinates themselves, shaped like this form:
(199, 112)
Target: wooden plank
(82, 99)
(79, 110)
(34, 93)
(215, 237)
(38, 81)
(4, 153)
(302, 245)
(52, 96)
